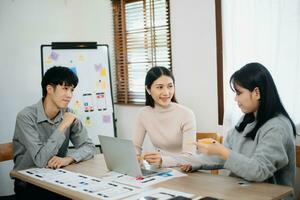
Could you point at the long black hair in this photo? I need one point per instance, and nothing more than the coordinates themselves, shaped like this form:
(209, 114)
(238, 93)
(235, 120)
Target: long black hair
(254, 75)
(153, 74)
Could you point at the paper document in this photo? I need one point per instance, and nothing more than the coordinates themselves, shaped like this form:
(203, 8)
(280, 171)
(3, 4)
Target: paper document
(141, 183)
(102, 188)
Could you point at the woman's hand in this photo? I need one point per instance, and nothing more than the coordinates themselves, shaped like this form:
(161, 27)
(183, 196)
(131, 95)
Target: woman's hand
(153, 158)
(186, 167)
(209, 146)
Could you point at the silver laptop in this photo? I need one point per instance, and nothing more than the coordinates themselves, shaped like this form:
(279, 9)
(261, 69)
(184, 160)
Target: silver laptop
(120, 156)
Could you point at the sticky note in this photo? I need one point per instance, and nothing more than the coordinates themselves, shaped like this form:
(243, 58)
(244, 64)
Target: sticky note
(54, 55)
(106, 119)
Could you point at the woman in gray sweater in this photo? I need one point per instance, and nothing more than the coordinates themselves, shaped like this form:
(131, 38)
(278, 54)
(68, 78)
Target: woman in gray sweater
(261, 147)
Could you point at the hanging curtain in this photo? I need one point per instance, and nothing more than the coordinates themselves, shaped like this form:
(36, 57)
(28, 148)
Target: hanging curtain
(267, 32)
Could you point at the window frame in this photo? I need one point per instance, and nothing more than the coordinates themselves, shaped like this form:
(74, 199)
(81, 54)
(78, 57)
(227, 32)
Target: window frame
(219, 54)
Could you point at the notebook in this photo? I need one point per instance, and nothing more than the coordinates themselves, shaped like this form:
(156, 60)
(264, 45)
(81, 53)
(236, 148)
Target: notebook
(120, 156)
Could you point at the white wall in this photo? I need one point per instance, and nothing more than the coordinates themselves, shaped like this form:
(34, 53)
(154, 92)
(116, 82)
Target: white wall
(25, 25)
(194, 59)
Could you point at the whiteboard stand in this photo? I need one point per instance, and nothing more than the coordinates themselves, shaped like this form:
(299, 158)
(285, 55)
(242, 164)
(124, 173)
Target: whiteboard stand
(92, 100)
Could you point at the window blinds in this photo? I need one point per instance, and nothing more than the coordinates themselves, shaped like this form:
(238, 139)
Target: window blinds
(142, 41)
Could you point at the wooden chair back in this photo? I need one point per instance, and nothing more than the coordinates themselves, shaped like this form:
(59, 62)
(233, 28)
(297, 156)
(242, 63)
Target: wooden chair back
(6, 151)
(214, 136)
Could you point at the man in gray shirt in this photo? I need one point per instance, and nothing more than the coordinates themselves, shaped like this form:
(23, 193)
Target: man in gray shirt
(43, 131)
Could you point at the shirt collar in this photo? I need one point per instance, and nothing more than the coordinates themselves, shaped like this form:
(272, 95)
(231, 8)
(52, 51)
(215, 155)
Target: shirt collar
(41, 116)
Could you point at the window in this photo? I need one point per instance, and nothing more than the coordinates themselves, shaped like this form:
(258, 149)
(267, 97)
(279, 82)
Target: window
(142, 41)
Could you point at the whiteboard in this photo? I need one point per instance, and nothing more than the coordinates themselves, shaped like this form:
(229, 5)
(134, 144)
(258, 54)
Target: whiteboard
(92, 99)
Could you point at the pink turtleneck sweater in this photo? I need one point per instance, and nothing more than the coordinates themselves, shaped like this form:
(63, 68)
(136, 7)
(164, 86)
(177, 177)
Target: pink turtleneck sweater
(171, 130)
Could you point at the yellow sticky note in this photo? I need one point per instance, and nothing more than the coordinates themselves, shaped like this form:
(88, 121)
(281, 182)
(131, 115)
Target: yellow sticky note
(48, 60)
(103, 72)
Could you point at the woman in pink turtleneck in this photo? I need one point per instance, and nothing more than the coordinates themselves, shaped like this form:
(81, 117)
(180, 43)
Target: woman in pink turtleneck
(169, 125)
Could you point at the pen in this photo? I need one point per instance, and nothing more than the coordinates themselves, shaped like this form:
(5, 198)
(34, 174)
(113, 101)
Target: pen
(145, 181)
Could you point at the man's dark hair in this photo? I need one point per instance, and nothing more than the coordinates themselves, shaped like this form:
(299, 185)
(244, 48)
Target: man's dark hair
(58, 75)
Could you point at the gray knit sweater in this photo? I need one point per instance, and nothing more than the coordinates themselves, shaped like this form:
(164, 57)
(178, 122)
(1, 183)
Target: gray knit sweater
(270, 157)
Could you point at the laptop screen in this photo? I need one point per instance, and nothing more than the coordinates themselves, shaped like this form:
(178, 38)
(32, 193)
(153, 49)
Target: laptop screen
(120, 155)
